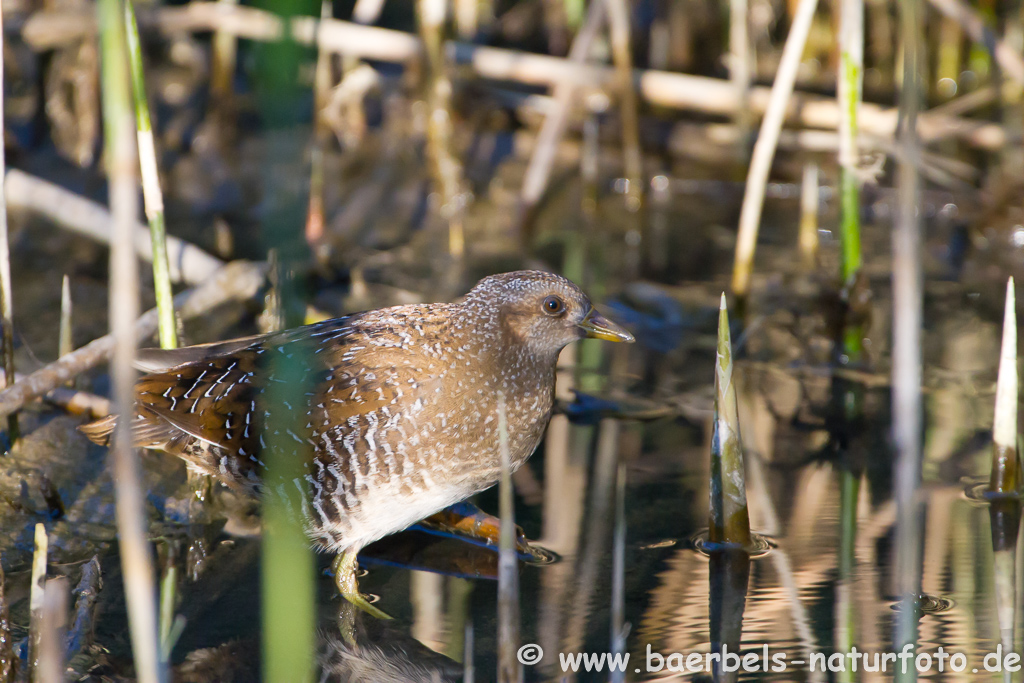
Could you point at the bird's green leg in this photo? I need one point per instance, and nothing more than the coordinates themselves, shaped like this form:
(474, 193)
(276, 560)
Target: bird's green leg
(344, 568)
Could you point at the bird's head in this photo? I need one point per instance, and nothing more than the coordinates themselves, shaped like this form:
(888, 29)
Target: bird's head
(542, 311)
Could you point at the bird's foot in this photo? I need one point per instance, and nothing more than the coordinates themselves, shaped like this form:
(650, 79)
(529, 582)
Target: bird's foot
(344, 568)
(466, 519)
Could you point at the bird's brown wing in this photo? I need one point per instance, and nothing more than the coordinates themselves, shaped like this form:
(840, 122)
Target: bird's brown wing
(213, 411)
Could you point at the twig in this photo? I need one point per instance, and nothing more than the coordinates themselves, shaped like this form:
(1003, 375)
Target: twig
(764, 148)
(236, 280)
(153, 197)
(77, 402)
(80, 402)
(189, 264)
(87, 592)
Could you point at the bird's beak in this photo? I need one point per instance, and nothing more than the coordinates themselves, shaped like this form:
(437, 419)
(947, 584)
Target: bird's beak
(597, 326)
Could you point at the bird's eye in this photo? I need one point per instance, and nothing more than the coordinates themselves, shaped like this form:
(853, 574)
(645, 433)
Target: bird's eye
(553, 305)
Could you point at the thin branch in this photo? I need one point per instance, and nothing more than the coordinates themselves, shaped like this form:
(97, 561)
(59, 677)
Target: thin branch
(237, 280)
(189, 264)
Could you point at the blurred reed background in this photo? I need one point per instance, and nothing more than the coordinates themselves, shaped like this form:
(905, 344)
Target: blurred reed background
(298, 161)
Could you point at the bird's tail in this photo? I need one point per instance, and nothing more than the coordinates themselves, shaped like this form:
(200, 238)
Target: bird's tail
(100, 431)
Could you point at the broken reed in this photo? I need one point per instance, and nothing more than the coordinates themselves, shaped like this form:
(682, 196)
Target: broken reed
(729, 520)
(152, 196)
(37, 592)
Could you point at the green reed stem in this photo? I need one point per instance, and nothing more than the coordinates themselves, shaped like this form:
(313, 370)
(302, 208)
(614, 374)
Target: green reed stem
(168, 599)
(849, 492)
(153, 197)
(851, 69)
(288, 565)
(573, 13)
(729, 519)
(850, 77)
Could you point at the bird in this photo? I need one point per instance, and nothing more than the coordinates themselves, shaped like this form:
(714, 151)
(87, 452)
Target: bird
(401, 406)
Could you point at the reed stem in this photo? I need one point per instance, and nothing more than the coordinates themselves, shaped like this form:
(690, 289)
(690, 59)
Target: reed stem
(1005, 482)
(6, 297)
(7, 657)
(808, 240)
(618, 612)
(740, 63)
(152, 195)
(730, 522)
(509, 668)
(37, 594)
(764, 148)
(51, 667)
(618, 22)
(907, 276)
(1006, 476)
(445, 164)
(65, 343)
(132, 522)
(321, 135)
(850, 78)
